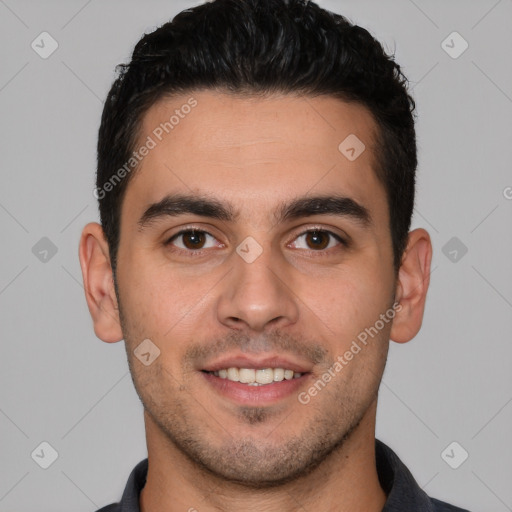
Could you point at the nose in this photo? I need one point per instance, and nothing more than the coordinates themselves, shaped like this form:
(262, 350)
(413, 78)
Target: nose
(257, 295)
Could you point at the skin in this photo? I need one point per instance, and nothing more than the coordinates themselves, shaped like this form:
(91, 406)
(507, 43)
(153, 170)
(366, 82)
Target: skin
(207, 451)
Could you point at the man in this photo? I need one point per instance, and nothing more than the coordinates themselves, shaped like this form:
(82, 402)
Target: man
(256, 169)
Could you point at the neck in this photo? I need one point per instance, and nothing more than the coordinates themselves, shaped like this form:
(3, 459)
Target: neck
(345, 481)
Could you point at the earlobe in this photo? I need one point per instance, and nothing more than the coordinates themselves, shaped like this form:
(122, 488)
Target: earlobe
(99, 284)
(412, 286)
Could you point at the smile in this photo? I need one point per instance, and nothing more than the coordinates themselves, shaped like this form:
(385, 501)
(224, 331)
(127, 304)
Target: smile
(256, 377)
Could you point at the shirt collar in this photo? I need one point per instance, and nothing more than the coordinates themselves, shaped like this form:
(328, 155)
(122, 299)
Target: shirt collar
(403, 493)
(136, 481)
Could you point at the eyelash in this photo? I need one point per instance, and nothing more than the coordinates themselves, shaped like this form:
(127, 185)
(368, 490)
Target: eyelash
(199, 252)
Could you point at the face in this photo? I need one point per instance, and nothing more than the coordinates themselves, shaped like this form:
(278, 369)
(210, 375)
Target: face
(250, 242)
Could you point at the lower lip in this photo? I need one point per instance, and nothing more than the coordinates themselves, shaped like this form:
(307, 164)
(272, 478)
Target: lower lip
(255, 395)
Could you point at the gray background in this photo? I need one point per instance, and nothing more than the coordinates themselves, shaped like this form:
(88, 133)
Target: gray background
(60, 384)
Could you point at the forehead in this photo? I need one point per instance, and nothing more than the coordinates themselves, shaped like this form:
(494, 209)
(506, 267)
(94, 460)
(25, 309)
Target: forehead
(255, 150)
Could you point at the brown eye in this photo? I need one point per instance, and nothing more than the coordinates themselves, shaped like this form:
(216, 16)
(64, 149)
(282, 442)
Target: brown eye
(192, 239)
(317, 239)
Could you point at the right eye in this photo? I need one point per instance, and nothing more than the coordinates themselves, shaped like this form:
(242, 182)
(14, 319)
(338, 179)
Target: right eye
(192, 240)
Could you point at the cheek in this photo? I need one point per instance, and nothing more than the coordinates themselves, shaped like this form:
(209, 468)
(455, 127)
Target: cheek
(348, 302)
(163, 303)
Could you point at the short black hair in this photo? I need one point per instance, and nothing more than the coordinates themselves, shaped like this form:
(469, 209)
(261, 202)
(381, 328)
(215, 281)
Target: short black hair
(261, 47)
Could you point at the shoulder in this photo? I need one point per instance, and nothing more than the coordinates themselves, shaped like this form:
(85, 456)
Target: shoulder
(441, 506)
(403, 492)
(130, 499)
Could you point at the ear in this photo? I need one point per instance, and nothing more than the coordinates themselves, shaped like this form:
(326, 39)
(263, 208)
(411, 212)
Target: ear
(412, 286)
(99, 283)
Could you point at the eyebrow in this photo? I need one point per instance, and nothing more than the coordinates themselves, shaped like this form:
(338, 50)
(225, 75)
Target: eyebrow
(175, 205)
(324, 205)
(178, 204)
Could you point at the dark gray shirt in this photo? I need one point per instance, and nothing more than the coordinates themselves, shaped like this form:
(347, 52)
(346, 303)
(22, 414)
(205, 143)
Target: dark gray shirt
(403, 493)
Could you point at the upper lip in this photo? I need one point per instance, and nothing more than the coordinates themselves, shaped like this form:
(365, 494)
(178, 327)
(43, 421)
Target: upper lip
(266, 361)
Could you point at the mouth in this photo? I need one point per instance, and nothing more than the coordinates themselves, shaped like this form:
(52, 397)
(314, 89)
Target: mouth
(256, 376)
(256, 382)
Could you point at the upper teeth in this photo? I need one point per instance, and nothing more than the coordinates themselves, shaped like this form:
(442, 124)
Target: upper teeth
(256, 377)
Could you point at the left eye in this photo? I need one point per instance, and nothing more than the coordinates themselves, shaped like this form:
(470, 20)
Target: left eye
(317, 240)
(192, 239)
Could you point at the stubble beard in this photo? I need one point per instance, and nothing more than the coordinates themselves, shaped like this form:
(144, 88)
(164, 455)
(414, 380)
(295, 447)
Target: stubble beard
(255, 462)
(249, 461)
